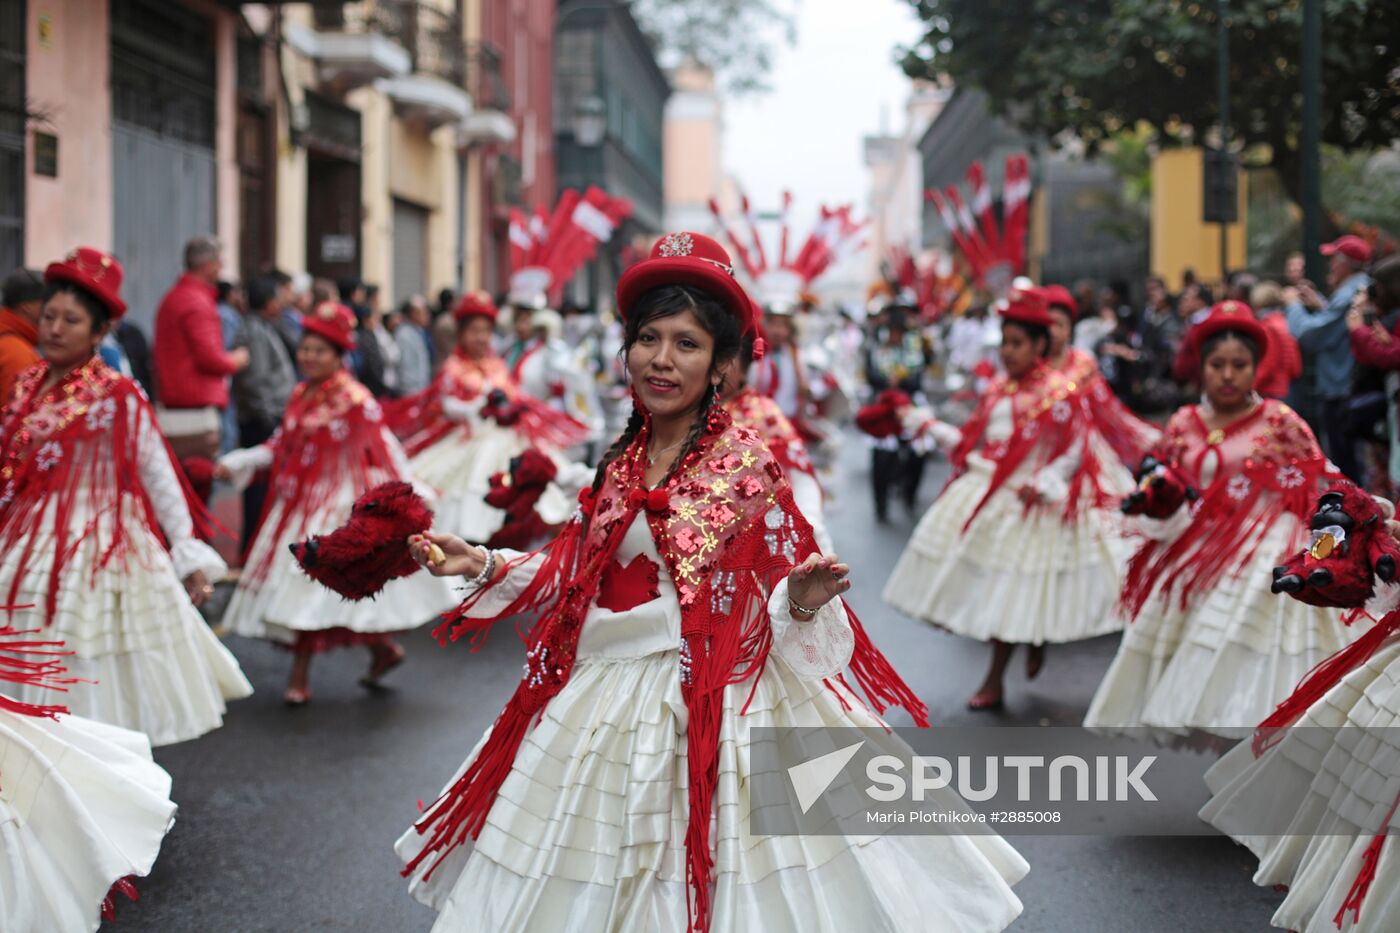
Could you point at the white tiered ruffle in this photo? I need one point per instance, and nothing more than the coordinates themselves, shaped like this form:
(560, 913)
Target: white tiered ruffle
(1223, 663)
(588, 832)
(151, 659)
(1015, 576)
(1339, 793)
(280, 601)
(82, 805)
(460, 468)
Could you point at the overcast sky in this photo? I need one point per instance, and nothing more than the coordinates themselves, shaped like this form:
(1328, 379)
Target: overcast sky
(828, 92)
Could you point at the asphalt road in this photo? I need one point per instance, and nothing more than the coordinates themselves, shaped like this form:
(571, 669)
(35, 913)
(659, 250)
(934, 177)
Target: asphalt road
(288, 817)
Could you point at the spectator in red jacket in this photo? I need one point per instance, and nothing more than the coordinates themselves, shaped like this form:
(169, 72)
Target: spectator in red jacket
(20, 298)
(192, 368)
(1283, 361)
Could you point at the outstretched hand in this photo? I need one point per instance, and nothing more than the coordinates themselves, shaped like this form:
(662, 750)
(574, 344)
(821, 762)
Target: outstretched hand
(459, 559)
(818, 580)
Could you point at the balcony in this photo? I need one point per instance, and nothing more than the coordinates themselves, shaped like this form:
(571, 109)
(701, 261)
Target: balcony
(352, 44)
(491, 123)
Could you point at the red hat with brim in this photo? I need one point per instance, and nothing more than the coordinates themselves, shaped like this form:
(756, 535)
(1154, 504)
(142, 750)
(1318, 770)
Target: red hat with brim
(1057, 296)
(688, 259)
(332, 322)
(1350, 246)
(475, 304)
(1229, 315)
(1026, 307)
(95, 272)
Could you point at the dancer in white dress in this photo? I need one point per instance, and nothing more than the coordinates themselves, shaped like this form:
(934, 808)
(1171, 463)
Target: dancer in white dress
(685, 605)
(471, 422)
(82, 805)
(1023, 546)
(1209, 649)
(332, 446)
(89, 498)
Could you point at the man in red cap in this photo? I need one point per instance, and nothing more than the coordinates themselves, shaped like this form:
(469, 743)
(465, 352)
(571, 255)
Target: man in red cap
(1320, 327)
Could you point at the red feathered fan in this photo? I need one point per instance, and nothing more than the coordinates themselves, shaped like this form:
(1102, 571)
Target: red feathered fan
(516, 492)
(1351, 546)
(881, 418)
(359, 558)
(1161, 490)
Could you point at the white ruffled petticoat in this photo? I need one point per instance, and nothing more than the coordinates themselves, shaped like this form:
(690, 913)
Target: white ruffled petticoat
(1025, 578)
(151, 659)
(1339, 794)
(588, 831)
(82, 805)
(1221, 664)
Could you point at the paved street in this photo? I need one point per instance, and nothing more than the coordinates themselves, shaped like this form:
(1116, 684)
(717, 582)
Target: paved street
(287, 817)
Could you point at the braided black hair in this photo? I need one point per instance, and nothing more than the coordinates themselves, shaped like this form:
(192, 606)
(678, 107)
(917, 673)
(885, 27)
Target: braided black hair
(668, 301)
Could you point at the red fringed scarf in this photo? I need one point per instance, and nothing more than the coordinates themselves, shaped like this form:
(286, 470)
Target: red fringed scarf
(728, 530)
(1051, 417)
(420, 421)
(32, 662)
(1282, 474)
(78, 439)
(1130, 437)
(332, 435)
(762, 415)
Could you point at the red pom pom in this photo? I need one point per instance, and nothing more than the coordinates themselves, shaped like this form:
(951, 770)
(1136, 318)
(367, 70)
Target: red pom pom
(658, 500)
(637, 498)
(760, 348)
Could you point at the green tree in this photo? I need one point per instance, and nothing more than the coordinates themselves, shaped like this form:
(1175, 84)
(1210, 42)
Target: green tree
(733, 38)
(1094, 67)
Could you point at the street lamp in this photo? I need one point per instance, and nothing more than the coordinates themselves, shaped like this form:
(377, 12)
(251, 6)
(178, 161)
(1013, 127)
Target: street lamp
(590, 121)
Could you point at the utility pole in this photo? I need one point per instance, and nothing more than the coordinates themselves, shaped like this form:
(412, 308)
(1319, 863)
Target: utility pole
(1309, 144)
(1224, 89)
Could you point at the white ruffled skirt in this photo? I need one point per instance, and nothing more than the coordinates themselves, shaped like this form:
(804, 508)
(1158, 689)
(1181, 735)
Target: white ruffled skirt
(460, 468)
(1013, 576)
(1221, 664)
(282, 601)
(82, 805)
(588, 831)
(1338, 793)
(153, 662)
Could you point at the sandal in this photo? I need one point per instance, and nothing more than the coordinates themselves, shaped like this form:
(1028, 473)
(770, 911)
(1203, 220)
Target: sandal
(986, 701)
(384, 662)
(297, 696)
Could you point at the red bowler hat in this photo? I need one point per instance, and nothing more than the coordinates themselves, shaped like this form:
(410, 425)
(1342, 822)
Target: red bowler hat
(1057, 296)
(1027, 307)
(475, 304)
(95, 272)
(1229, 315)
(1352, 247)
(688, 259)
(333, 322)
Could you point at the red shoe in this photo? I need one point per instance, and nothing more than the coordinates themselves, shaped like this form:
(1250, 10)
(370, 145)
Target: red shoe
(384, 662)
(986, 701)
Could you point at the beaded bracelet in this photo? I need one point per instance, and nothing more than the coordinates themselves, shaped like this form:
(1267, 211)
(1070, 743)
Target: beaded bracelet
(488, 570)
(797, 609)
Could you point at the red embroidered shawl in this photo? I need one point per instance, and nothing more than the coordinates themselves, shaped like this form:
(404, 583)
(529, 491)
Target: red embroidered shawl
(753, 410)
(1051, 417)
(76, 439)
(332, 434)
(1269, 466)
(1129, 436)
(728, 531)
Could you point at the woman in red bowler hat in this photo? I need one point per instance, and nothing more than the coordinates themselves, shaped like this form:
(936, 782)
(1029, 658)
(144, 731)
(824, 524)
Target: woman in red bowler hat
(685, 603)
(1023, 545)
(332, 446)
(1208, 650)
(96, 533)
(471, 422)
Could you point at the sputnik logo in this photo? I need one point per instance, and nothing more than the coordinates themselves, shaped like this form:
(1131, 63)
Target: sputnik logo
(812, 778)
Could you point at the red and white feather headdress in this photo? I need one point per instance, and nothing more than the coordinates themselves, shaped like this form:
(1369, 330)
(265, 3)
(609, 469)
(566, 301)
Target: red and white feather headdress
(546, 251)
(995, 255)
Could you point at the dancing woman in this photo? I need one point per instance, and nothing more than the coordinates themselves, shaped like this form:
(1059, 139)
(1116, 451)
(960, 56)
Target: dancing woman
(686, 604)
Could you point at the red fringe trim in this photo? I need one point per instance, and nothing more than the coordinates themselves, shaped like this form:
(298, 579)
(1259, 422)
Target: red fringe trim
(1361, 886)
(35, 663)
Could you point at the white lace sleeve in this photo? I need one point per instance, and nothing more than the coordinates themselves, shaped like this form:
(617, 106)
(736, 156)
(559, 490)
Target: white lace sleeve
(242, 464)
(463, 411)
(814, 650)
(162, 485)
(944, 435)
(519, 572)
(1052, 480)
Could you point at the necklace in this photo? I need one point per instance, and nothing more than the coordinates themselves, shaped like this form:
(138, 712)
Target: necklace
(651, 456)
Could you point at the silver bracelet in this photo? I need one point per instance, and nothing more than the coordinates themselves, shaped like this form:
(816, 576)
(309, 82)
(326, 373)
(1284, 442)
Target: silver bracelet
(488, 570)
(797, 609)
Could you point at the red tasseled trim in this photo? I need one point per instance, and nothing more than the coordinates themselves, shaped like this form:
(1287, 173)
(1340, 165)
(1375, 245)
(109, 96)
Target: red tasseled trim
(124, 886)
(35, 663)
(329, 639)
(1361, 886)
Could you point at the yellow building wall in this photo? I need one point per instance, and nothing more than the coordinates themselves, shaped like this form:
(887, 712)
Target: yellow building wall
(1180, 239)
(377, 228)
